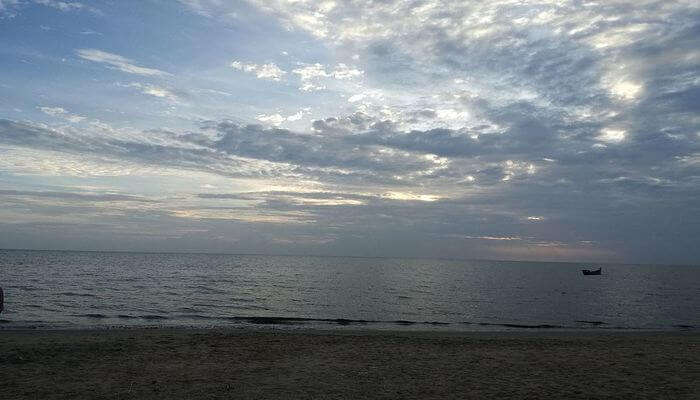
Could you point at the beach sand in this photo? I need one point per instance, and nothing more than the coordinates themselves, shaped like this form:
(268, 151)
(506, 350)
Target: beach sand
(242, 364)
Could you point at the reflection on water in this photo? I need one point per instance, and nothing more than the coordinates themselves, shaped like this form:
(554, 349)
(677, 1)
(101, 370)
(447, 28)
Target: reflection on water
(86, 289)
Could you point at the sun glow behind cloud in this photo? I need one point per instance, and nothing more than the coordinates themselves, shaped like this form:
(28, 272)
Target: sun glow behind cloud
(627, 90)
(610, 135)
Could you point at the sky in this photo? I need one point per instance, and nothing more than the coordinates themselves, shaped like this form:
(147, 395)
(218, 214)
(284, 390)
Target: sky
(543, 130)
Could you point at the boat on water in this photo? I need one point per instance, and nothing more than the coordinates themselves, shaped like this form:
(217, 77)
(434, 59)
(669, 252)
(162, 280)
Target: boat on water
(598, 271)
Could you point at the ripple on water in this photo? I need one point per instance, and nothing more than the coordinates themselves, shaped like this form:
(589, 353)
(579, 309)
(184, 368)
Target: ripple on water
(92, 315)
(75, 294)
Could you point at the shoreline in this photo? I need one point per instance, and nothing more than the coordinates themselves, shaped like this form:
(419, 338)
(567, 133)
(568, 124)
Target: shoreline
(359, 330)
(149, 363)
(293, 323)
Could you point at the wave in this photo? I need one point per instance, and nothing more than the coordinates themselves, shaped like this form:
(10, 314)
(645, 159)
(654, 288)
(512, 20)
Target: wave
(25, 288)
(258, 320)
(96, 316)
(296, 320)
(521, 326)
(181, 320)
(197, 316)
(153, 317)
(286, 321)
(242, 300)
(683, 326)
(73, 294)
(122, 316)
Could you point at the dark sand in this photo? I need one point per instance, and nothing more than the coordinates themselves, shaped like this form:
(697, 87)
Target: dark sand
(175, 364)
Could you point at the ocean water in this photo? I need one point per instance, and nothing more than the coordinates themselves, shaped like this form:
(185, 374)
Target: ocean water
(62, 289)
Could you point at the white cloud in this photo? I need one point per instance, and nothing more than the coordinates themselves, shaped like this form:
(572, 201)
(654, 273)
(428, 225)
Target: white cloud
(345, 72)
(153, 90)
(268, 71)
(406, 196)
(356, 98)
(60, 112)
(53, 111)
(499, 238)
(309, 74)
(61, 5)
(295, 117)
(90, 32)
(158, 92)
(272, 119)
(311, 71)
(452, 115)
(278, 119)
(4, 4)
(517, 169)
(7, 8)
(114, 60)
(314, 76)
(617, 37)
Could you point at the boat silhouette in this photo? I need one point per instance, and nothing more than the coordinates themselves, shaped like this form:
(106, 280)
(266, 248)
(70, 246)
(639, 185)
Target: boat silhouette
(592, 271)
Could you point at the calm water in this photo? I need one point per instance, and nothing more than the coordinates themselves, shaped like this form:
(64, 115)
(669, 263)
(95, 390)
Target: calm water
(47, 289)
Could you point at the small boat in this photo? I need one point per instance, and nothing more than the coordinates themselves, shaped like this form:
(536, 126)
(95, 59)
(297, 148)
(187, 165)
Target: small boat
(592, 271)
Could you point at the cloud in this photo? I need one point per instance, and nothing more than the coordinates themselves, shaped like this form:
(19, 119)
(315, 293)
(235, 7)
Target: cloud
(579, 63)
(447, 127)
(272, 119)
(62, 113)
(8, 8)
(449, 182)
(5, 4)
(499, 238)
(268, 71)
(278, 119)
(308, 74)
(359, 148)
(153, 90)
(61, 5)
(610, 135)
(312, 76)
(116, 61)
(202, 7)
(90, 32)
(91, 197)
(344, 72)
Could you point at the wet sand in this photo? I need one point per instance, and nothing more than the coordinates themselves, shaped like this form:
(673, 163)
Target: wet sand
(250, 364)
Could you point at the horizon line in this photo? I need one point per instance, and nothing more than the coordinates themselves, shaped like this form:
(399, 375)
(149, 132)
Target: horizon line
(206, 252)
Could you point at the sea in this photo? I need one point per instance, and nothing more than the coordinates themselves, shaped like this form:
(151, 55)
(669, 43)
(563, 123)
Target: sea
(87, 290)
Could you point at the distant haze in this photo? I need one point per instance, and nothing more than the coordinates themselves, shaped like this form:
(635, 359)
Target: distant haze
(542, 130)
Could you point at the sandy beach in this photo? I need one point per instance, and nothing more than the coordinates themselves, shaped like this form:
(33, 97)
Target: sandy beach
(178, 363)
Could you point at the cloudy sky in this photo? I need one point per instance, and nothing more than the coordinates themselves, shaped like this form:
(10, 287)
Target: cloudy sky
(542, 130)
